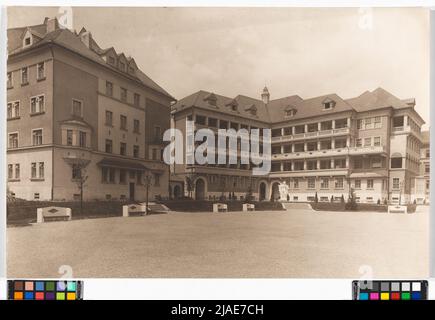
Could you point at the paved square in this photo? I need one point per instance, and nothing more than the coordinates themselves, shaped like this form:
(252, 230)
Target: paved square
(298, 243)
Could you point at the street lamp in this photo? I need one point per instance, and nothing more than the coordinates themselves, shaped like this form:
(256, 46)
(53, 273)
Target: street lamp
(148, 184)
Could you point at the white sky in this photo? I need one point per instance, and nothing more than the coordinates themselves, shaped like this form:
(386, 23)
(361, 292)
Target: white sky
(304, 51)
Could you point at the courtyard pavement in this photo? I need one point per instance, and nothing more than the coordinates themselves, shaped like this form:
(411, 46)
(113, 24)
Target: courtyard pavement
(297, 243)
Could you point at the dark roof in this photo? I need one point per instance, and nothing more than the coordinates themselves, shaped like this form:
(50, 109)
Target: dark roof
(71, 40)
(376, 99)
(121, 163)
(275, 111)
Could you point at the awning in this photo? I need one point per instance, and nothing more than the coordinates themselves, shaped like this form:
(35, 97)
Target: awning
(367, 175)
(121, 163)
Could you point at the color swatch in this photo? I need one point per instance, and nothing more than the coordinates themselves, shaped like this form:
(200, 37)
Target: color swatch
(45, 290)
(390, 290)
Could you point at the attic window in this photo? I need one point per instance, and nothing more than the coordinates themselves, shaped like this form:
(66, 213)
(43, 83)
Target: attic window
(111, 60)
(290, 111)
(252, 110)
(27, 41)
(131, 69)
(234, 107)
(211, 99)
(328, 104)
(122, 66)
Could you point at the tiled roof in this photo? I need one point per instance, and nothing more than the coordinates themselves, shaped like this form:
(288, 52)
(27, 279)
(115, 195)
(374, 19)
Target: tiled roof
(275, 111)
(376, 99)
(71, 41)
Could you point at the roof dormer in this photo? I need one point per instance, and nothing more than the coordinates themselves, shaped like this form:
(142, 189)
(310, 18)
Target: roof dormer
(290, 111)
(233, 105)
(132, 66)
(211, 99)
(252, 109)
(110, 56)
(27, 39)
(328, 104)
(122, 62)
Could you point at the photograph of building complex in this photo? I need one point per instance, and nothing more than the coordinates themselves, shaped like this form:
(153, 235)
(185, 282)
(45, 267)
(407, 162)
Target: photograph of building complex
(86, 124)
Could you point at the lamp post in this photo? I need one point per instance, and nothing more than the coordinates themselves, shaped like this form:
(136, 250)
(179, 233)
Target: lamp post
(148, 183)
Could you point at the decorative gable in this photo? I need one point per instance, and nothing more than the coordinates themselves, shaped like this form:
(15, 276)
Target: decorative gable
(132, 67)
(122, 62)
(27, 38)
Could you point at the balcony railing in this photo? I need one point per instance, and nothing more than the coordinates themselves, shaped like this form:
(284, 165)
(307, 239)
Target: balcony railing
(367, 150)
(311, 154)
(306, 135)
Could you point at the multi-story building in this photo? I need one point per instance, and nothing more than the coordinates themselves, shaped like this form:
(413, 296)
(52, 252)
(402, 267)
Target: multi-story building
(78, 112)
(422, 181)
(325, 146)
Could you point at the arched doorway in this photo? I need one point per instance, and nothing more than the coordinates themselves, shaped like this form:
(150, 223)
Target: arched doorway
(177, 192)
(199, 189)
(262, 192)
(275, 192)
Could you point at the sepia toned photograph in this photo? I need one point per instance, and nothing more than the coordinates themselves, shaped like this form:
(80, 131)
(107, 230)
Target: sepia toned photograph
(147, 142)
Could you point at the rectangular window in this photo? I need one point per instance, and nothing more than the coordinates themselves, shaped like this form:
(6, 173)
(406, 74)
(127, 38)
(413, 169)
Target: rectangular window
(369, 183)
(324, 183)
(41, 71)
(378, 122)
(13, 110)
(122, 176)
(123, 94)
(36, 196)
(109, 88)
(201, 120)
(340, 163)
(396, 163)
(37, 137)
(396, 183)
(338, 183)
(377, 141)
(123, 149)
(136, 151)
(69, 137)
(17, 171)
(427, 153)
(296, 183)
(368, 123)
(367, 142)
(77, 108)
(136, 126)
(13, 140)
(212, 122)
(108, 146)
(358, 184)
(109, 118)
(10, 171)
(136, 99)
(359, 124)
(358, 142)
(376, 162)
(82, 139)
(111, 175)
(33, 172)
(76, 172)
(24, 75)
(41, 170)
(37, 104)
(357, 164)
(311, 183)
(123, 121)
(427, 168)
(10, 83)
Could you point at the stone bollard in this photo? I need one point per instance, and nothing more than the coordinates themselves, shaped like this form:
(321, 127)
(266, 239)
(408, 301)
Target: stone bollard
(125, 211)
(39, 216)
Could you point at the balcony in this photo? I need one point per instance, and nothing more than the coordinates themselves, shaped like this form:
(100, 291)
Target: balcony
(308, 135)
(311, 154)
(310, 173)
(353, 151)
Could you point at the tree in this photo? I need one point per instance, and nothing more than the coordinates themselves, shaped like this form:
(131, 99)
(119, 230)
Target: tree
(351, 203)
(189, 186)
(80, 177)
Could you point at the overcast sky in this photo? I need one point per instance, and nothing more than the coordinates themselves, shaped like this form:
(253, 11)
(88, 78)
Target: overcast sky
(231, 51)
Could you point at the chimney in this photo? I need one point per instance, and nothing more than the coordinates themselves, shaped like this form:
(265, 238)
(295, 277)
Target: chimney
(265, 96)
(52, 24)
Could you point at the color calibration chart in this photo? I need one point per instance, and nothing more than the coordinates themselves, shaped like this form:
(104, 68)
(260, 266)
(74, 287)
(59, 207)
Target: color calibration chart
(45, 290)
(390, 290)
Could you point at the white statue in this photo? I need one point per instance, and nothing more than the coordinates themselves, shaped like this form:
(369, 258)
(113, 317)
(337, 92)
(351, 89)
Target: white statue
(283, 191)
